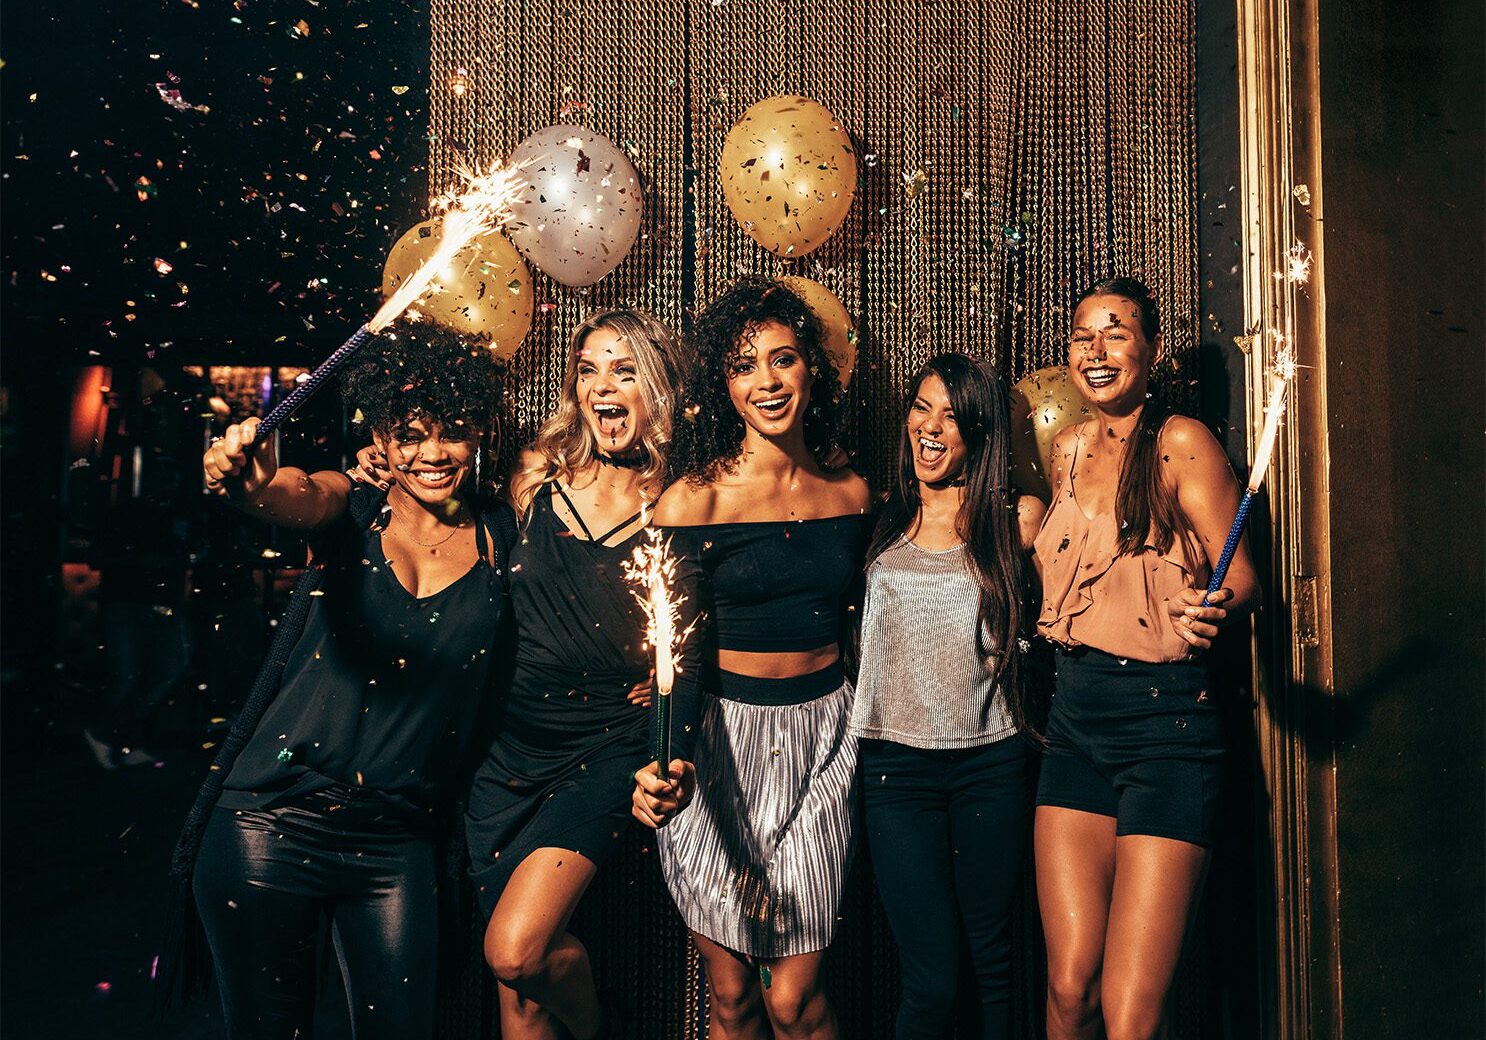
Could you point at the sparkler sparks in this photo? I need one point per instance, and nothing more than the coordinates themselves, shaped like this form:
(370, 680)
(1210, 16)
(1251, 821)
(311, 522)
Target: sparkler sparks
(1297, 265)
(652, 570)
(482, 206)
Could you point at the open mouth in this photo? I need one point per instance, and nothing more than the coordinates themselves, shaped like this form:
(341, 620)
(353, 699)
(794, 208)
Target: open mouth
(930, 451)
(613, 419)
(433, 479)
(773, 407)
(1098, 378)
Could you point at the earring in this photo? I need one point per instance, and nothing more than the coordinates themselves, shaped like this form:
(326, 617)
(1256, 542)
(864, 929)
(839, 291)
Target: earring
(479, 455)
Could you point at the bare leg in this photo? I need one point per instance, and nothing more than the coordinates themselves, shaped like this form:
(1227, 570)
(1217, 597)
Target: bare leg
(736, 1004)
(528, 947)
(797, 1005)
(1155, 888)
(1075, 854)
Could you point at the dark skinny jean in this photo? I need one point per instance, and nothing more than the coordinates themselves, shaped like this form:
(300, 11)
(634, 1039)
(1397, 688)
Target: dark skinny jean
(947, 831)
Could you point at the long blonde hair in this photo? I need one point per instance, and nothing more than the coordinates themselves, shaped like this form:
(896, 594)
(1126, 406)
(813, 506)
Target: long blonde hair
(565, 443)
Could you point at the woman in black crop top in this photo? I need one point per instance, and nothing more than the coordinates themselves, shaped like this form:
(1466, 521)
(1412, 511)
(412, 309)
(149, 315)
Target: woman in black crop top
(771, 544)
(328, 810)
(552, 797)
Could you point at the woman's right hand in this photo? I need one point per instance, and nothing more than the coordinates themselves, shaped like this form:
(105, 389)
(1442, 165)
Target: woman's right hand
(234, 467)
(656, 801)
(371, 468)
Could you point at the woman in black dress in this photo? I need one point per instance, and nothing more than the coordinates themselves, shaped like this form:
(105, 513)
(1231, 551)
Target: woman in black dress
(551, 800)
(330, 808)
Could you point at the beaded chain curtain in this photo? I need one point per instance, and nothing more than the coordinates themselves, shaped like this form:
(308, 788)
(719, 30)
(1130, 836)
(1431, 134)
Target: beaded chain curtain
(1009, 153)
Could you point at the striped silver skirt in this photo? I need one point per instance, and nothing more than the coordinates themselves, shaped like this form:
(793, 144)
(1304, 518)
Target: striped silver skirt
(758, 861)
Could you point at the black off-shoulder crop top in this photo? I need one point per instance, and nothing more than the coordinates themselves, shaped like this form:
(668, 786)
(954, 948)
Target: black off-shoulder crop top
(774, 586)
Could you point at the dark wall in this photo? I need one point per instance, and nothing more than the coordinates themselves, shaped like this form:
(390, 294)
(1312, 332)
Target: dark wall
(1401, 116)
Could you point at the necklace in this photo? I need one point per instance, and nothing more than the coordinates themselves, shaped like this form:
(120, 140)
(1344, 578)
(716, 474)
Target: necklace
(428, 545)
(636, 459)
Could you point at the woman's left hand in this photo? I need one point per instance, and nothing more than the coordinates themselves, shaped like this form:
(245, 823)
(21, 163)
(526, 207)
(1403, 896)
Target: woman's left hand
(1197, 624)
(639, 694)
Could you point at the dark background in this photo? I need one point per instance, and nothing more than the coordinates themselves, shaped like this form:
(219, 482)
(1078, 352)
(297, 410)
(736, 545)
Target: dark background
(250, 203)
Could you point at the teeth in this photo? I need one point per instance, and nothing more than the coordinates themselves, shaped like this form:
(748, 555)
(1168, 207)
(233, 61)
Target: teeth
(1100, 376)
(931, 445)
(775, 402)
(610, 409)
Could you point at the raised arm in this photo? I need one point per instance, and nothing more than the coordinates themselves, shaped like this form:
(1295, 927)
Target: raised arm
(251, 479)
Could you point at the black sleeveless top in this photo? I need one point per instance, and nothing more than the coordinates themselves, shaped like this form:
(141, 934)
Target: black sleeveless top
(383, 688)
(580, 632)
(776, 586)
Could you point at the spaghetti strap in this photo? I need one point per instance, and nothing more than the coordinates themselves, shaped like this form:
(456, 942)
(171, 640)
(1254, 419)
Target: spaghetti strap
(611, 532)
(572, 509)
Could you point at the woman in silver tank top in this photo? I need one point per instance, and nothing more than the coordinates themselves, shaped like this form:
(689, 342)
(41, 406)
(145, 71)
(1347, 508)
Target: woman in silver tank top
(939, 710)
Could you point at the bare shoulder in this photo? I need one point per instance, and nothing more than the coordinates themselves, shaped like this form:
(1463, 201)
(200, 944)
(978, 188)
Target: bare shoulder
(1191, 454)
(1187, 443)
(1029, 513)
(526, 473)
(849, 490)
(685, 504)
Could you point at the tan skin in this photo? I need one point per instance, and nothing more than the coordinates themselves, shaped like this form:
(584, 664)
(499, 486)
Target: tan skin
(1115, 910)
(546, 982)
(776, 478)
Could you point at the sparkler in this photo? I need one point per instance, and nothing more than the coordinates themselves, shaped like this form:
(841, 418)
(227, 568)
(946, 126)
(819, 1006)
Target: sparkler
(482, 205)
(652, 570)
(1279, 382)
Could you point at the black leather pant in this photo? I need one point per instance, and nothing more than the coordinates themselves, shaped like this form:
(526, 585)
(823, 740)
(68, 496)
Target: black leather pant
(266, 879)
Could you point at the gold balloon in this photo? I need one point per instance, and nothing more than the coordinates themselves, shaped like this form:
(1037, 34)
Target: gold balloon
(789, 172)
(484, 293)
(835, 322)
(1041, 405)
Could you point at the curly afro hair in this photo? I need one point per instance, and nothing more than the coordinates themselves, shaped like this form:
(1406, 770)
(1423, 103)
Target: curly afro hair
(708, 431)
(426, 370)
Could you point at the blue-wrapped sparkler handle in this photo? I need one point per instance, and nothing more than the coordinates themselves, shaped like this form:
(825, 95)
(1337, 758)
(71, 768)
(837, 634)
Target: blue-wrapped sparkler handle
(317, 378)
(1230, 546)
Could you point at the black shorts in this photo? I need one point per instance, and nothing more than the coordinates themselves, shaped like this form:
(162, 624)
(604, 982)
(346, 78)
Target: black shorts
(1136, 741)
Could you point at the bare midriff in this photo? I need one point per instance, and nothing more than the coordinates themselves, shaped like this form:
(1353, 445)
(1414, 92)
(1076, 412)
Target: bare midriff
(778, 665)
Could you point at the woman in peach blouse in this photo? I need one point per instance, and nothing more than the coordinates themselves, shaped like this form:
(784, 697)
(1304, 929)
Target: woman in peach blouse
(1129, 782)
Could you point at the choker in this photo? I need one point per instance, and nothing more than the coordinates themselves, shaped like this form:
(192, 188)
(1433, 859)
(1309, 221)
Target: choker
(637, 459)
(957, 482)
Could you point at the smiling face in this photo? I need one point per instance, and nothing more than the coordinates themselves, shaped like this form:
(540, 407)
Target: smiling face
(1109, 356)
(608, 390)
(769, 382)
(939, 451)
(430, 461)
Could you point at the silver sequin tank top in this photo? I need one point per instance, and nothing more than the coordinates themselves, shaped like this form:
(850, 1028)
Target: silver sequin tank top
(921, 682)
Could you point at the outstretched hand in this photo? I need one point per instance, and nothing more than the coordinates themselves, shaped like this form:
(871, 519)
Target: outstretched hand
(234, 467)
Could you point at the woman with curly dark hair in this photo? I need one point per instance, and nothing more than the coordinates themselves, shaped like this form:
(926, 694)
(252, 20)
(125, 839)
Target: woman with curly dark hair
(769, 543)
(330, 808)
(551, 799)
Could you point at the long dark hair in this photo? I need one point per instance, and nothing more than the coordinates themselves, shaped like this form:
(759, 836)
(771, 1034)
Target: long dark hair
(1147, 511)
(987, 520)
(708, 431)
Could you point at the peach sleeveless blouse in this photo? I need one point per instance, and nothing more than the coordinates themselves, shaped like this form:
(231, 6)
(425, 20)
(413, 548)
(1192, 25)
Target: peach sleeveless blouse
(1092, 596)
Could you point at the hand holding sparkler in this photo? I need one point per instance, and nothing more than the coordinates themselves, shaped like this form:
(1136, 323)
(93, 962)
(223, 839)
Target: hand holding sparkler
(664, 787)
